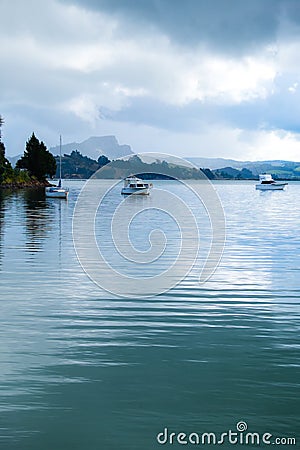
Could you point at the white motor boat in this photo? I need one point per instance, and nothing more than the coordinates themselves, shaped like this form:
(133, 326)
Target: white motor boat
(134, 185)
(57, 191)
(268, 184)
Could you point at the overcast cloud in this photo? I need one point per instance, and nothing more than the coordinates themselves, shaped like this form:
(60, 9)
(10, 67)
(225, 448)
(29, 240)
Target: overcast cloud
(193, 78)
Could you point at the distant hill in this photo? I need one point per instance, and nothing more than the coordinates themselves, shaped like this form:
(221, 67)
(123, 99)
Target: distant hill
(95, 146)
(85, 155)
(154, 170)
(229, 168)
(76, 165)
(217, 163)
(13, 159)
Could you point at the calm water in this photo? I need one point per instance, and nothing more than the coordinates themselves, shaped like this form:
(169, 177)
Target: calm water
(81, 369)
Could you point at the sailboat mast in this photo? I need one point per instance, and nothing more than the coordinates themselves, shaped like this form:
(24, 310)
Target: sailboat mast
(60, 156)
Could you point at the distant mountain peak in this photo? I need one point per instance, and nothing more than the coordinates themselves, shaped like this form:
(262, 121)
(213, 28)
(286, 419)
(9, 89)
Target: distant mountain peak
(96, 139)
(95, 146)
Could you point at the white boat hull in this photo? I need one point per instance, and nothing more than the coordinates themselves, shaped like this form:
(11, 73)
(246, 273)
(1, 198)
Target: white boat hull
(135, 191)
(56, 193)
(271, 187)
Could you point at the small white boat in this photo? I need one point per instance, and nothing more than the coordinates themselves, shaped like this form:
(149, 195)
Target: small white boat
(268, 184)
(57, 191)
(134, 185)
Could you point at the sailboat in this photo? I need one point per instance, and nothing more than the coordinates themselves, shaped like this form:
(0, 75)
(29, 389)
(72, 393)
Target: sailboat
(57, 191)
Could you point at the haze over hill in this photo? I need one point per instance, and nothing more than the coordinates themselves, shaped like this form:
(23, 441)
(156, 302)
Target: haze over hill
(216, 163)
(96, 146)
(256, 167)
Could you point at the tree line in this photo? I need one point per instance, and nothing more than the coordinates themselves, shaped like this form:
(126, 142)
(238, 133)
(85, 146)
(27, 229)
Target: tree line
(36, 164)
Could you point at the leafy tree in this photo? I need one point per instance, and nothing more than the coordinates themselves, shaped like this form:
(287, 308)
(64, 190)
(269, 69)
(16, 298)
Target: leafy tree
(1, 123)
(2, 152)
(103, 160)
(37, 159)
(76, 165)
(210, 175)
(246, 174)
(2, 147)
(5, 166)
(6, 170)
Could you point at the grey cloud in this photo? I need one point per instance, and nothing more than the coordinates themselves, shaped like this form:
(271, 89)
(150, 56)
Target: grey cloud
(232, 25)
(279, 111)
(27, 20)
(34, 87)
(160, 115)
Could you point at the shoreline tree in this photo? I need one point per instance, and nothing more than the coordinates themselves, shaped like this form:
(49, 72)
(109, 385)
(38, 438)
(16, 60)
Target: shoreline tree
(38, 161)
(1, 123)
(6, 169)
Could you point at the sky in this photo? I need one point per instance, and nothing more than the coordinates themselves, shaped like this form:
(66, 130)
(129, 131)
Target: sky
(202, 78)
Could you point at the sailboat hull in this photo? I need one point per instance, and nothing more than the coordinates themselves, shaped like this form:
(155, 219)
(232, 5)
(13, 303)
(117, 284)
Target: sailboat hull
(55, 192)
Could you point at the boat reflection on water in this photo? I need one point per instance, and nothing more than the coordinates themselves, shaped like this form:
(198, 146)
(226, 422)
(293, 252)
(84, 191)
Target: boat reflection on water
(38, 218)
